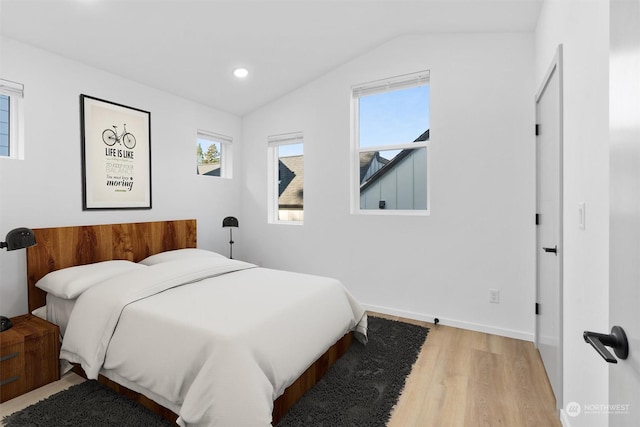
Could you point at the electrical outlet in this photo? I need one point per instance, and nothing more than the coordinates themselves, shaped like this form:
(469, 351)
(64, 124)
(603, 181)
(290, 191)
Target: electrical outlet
(494, 296)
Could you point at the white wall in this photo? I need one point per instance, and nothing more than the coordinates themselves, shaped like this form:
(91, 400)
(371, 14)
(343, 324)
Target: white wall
(45, 189)
(480, 233)
(582, 27)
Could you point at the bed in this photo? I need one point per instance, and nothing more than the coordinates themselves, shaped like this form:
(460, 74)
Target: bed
(257, 338)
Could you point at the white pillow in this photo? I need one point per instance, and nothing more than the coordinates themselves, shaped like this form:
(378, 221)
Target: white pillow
(179, 254)
(40, 312)
(70, 282)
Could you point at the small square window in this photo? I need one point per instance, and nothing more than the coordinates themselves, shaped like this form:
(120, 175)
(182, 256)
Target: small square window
(5, 147)
(213, 153)
(11, 96)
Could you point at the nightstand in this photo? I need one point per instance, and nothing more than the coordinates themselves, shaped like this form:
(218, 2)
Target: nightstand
(28, 356)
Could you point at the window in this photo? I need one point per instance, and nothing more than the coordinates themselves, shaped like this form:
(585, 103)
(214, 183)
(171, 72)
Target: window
(286, 178)
(390, 139)
(5, 126)
(11, 94)
(213, 154)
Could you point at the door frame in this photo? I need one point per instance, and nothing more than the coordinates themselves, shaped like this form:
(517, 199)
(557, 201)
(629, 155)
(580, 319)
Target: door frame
(624, 204)
(555, 67)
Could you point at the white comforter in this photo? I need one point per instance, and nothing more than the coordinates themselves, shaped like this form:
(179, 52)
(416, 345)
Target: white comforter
(216, 340)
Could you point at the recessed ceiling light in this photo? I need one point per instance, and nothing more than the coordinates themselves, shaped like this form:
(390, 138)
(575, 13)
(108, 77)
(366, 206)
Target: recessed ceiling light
(241, 73)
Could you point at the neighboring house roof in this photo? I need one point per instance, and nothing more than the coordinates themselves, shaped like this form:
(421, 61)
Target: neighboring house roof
(209, 169)
(369, 159)
(423, 137)
(291, 181)
(390, 165)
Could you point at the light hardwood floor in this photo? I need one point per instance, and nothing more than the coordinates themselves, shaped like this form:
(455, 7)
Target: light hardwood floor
(470, 379)
(461, 378)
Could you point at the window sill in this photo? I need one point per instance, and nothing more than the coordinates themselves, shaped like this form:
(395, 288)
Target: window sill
(391, 212)
(295, 223)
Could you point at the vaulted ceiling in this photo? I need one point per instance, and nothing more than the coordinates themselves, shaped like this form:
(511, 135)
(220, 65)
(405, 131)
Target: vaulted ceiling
(190, 48)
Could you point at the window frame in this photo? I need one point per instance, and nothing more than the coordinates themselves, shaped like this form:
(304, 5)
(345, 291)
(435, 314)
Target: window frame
(226, 152)
(386, 85)
(15, 92)
(274, 142)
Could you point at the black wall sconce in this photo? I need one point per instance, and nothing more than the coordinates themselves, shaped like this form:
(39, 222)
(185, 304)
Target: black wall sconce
(18, 238)
(231, 222)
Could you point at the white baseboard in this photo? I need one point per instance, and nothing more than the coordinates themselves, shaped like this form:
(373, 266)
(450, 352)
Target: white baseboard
(510, 333)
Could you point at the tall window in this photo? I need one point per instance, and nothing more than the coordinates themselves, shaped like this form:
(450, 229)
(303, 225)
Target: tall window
(11, 94)
(391, 128)
(286, 178)
(5, 126)
(213, 154)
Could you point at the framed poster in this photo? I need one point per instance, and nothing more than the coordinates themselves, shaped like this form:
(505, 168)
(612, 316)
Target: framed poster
(116, 155)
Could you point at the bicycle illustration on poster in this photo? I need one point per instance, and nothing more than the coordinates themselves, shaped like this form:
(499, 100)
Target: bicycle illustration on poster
(116, 155)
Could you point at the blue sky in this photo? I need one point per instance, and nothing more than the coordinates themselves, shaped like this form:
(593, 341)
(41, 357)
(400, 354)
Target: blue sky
(290, 150)
(388, 118)
(394, 117)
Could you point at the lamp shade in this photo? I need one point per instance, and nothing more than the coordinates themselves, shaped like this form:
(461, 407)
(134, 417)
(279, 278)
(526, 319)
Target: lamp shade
(19, 238)
(230, 221)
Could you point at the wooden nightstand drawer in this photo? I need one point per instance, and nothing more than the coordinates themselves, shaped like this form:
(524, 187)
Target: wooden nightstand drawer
(28, 356)
(12, 371)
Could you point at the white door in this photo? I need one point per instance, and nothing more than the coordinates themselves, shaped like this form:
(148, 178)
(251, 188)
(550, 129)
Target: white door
(549, 224)
(624, 255)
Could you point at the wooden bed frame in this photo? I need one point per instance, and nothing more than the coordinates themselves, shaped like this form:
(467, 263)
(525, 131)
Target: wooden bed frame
(62, 247)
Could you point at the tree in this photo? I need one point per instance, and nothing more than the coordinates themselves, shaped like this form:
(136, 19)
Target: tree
(199, 154)
(212, 155)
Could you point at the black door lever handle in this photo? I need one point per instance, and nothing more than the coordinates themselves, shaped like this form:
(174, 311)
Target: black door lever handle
(552, 250)
(617, 340)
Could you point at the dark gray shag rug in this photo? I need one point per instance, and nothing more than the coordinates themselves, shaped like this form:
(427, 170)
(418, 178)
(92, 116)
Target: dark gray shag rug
(88, 404)
(359, 390)
(362, 387)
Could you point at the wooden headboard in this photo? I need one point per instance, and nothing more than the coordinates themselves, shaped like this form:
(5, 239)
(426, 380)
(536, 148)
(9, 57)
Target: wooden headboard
(62, 247)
